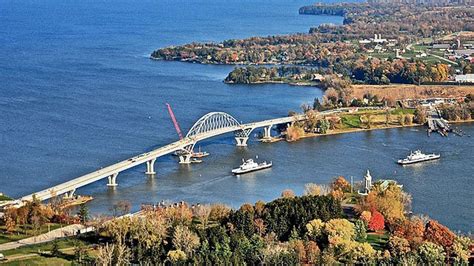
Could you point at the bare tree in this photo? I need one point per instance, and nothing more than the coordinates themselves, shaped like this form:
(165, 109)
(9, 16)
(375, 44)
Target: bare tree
(105, 255)
(122, 254)
(185, 240)
(312, 189)
(202, 212)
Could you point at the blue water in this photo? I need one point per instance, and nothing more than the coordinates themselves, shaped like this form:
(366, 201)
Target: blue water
(78, 92)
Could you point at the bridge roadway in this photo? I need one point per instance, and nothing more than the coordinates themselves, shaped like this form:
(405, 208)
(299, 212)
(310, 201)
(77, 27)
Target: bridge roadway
(149, 158)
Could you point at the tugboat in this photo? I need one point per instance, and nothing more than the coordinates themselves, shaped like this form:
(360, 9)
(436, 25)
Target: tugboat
(250, 166)
(199, 154)
(417, 156)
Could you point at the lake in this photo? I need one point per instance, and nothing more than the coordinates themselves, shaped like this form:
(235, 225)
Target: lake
(78, 92)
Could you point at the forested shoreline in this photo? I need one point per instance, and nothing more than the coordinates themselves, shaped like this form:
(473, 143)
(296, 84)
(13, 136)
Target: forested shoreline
(335, 49)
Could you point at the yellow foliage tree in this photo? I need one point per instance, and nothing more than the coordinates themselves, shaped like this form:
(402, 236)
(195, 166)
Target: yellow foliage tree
(390, 201)
(175, 256)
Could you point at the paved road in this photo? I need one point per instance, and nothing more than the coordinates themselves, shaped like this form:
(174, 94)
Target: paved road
(66, 231)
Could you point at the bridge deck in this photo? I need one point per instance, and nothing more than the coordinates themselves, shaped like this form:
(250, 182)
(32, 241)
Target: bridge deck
(144, 157)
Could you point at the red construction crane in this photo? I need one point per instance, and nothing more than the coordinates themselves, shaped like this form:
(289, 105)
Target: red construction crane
(175, 122)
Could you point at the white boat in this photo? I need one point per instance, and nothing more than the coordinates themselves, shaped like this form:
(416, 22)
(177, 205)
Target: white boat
(417, 156)
(250, 166)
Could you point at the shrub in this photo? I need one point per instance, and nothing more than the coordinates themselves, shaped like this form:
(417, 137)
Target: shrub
(398, 247)
(431, 253)
(176, 256)
(360, 230)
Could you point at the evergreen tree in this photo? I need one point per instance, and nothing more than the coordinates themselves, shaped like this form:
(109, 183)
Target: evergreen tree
(83, 213)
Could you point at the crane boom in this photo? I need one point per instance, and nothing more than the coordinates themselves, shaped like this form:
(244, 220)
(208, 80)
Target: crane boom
(175, 122)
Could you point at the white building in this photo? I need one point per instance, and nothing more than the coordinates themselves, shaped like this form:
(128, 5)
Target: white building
(467, 78)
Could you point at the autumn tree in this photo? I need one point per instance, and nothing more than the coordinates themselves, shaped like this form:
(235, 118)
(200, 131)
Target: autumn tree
(337, 229)
(105, 255)
(439, 234)
(185, 240)
(287, 193)
(431, 253)
(202, 213)
(219, 212)
(398, 247)
(339, 186)
(312, 189)
(312, 252)
(460, 250)
(366, 216)
(391, 201)
(420, 115)
(377, 221)
(412, 230)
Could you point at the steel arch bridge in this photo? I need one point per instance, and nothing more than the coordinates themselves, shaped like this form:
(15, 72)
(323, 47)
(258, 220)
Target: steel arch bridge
(211, 122)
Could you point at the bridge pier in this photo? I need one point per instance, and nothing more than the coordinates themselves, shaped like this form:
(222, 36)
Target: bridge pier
(150, 167)
(112, 180)
(185, 158)
(267, 132)
(241, 141)
(70, 194)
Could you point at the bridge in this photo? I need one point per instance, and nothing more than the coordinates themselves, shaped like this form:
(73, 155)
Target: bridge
(210, 125)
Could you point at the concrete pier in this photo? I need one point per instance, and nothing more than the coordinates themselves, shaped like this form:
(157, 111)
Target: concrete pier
(267, 132)
(70, 194)
(150, 167)
(112, 180)
(241, 141)
(185, 158)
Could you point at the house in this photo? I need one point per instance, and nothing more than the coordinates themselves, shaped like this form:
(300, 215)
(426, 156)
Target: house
(440, 46)
(378, 39)
(384, 183)
(464, 52)
(467, 78)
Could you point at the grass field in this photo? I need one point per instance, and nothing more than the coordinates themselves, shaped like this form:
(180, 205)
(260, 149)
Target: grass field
(24, 232)
(40, 260)
(377, 240)
(38, 254)
(408, 91)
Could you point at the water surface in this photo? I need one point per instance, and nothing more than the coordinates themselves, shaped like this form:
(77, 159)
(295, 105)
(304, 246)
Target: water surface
(78, 92)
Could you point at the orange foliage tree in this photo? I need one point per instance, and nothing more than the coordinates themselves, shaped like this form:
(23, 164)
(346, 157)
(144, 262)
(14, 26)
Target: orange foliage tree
(412, 230)
(377, 222)
(340, 183)
(439, 234)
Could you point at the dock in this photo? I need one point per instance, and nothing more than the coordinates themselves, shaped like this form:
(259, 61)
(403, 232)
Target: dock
(437, 124)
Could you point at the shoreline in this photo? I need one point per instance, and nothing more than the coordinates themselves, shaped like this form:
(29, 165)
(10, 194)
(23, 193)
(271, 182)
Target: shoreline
(294, 83)
(354, 130)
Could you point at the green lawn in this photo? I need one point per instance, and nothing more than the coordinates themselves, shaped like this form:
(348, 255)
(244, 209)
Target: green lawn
(39, 260)
(400, 111)
(24, 232)
(351, 121)
(377, 240)
(3, 198)
(38, 254)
